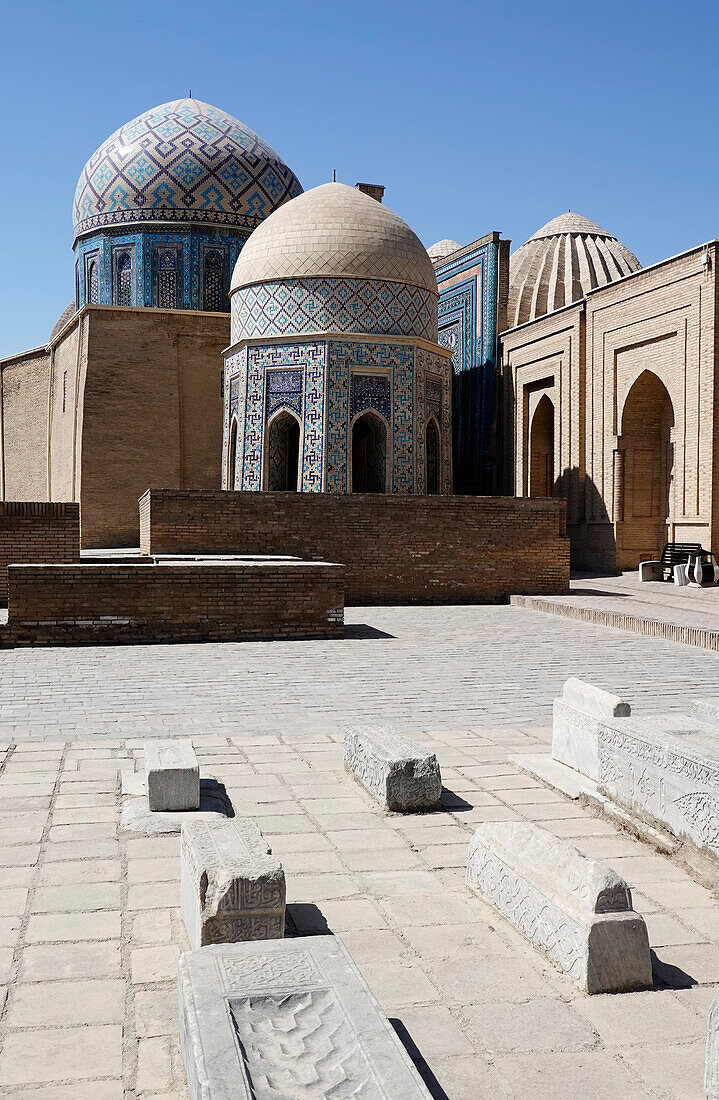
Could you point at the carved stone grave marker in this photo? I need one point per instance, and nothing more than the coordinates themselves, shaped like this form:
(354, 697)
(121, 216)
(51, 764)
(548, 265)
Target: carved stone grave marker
(711, 1065)
(397, 771)
(231, 887)
(172, 775)
(288, 1018)
(575, 909)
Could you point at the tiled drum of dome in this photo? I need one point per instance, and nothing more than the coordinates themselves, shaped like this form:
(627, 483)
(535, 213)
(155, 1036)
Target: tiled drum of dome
(182, 161)
(309, 305)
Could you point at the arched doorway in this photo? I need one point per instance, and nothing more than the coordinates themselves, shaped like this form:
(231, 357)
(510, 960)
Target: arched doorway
(283, 453)
(541, 450)
(231, 480)
(369, 454)
(432, 452)
(645, 470)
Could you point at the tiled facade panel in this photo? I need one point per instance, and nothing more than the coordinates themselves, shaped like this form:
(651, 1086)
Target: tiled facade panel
(306, 306)
(395, 549)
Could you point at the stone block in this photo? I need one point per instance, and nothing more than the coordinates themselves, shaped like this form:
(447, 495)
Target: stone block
(575, 909)
(594, 700)
(664, 769)
(397, 771)
(172, 775)
(283, 1019)
(711, 1065)
(231, 886)
(651, 571)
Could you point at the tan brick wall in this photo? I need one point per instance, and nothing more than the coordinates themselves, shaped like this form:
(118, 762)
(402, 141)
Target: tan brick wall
(111, 603)
(587, 358)
(141, 406)
(37, 532)
(395, 549)
(24, 385)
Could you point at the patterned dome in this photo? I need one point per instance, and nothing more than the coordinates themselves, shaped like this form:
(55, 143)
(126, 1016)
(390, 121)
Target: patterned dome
(184, 161)
(441, 249)
(334, 230)
(565, 259)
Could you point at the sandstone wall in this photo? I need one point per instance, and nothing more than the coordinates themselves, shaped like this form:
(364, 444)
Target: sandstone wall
(395, 549)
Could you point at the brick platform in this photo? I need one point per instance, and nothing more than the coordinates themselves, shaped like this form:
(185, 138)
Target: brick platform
(395, 549)
(171, 601)
(32, 531)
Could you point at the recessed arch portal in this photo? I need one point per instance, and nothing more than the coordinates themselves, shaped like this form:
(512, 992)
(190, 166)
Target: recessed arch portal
(369, 454)
(645, 470)
(432, 456)
(541, 449)
(283, 452)
(231, 479)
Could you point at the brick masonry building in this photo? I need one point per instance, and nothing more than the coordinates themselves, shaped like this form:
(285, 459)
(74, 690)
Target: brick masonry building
(609, 402)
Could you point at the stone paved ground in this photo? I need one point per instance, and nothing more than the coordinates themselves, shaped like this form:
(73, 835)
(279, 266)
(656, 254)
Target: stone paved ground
(431, 668)
(89, 922)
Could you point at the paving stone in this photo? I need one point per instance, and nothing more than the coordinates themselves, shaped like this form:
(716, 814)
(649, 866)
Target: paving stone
(575, 909)
(397, 771)
(64, 1004)
(31, 1057)
(73, 960)
(539, 1025)
(68, 899)
(232, 888)
(154, 964)
(56, 927)
(569, 1075)
(309, 989)
(172, 775)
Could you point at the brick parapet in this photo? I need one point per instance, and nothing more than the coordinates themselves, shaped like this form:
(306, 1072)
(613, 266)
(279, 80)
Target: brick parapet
(37, 531)
(396, 549)
(173, 601)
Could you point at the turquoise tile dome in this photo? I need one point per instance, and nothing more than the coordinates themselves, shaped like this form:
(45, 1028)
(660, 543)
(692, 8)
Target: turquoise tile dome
(184, 161)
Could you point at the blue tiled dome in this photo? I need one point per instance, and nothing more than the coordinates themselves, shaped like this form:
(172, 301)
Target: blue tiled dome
(184, 161)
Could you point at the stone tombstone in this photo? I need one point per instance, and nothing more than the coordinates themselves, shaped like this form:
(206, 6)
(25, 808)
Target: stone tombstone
(287, 1019)
(664, 769)
(396, 770)
(231, 887)
(172, 775)
(711, 1065)
(577, 721)
(575, 909)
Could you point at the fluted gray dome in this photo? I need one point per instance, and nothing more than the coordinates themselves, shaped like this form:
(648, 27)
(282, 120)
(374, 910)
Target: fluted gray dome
(560, 263)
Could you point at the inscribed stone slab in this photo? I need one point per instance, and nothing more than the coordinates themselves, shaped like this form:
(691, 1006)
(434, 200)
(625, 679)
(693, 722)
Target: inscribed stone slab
(711, 1068)
(172, 775)
(231, 887)
(288, 1018)
(396, 770)
(577, 910)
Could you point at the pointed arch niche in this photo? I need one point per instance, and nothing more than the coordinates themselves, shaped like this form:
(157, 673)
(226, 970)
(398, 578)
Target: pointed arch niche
(282, 452)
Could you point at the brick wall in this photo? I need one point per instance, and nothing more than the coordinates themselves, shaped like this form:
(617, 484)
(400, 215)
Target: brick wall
(173, 602)
(395, 549)
(32, 531)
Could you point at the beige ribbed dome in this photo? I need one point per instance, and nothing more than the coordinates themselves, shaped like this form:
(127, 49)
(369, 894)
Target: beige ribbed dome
(67, 313)
(442, 249)
(334, 230)
(558, 265)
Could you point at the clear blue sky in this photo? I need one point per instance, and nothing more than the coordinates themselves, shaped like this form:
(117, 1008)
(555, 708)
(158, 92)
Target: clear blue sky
(475, 116)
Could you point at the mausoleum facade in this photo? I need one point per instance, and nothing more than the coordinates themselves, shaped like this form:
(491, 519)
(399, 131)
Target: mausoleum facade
(335, 381)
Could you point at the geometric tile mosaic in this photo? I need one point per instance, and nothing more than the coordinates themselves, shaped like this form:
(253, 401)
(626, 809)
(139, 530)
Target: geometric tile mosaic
(308, 305)
(182, 161)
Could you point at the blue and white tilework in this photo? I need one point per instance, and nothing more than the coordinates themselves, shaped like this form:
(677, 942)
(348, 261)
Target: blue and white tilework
(184, 161)
(309, 305)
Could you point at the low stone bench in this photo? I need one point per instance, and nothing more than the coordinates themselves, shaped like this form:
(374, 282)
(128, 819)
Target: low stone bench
(231, 886)
(397, 771)
(575, 909)
(172, 775)
(665, 769)
(286, 1019)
